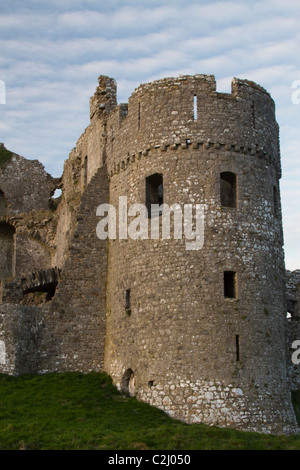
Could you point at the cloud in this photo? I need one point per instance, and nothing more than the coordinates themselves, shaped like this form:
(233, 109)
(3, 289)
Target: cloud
(53, 52)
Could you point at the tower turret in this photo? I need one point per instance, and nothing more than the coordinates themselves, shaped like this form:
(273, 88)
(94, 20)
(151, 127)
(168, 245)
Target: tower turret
(199, 332)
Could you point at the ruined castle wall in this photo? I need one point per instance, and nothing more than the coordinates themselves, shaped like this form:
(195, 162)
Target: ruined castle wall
(26, 185)
(79, 169)
(63, 237)
(90, 150)
(25, 192)
(74, 329)
(19, 338)
(31, 255)
(66, 333)
(83, 163)
(194, 353)
(26, 243)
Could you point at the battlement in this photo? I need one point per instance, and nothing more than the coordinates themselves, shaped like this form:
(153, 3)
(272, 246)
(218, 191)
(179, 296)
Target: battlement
(188, 109)
(207, 84)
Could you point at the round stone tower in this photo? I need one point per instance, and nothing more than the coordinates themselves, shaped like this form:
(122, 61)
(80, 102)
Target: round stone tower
(195, 310)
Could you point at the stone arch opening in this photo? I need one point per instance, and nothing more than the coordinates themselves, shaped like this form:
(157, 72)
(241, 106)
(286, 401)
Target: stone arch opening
(3, 204)
(40, 286)
(7, 251)
(128, 382)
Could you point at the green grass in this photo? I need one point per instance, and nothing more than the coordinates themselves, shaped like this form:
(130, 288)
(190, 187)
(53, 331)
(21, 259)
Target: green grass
(5, 156)
(76, 411)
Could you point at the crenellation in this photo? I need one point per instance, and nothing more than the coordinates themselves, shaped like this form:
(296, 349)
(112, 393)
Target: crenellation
(158, 104)
(105, 97)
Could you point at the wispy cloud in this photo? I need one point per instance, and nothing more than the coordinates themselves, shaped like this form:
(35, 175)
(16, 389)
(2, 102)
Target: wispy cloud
(53, 52)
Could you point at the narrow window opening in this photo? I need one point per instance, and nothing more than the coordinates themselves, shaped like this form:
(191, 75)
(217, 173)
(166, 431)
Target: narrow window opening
(85, 171)
(228, 189)
(230, 284)
(154, 192)
(275, 202)
(57, 193)
(112, 138)
(127, 302)
(237, 347)
(253, 114)
(139, 116)
(195, 108)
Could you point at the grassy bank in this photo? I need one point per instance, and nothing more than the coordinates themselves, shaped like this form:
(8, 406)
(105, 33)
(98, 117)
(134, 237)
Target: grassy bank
(76, 411)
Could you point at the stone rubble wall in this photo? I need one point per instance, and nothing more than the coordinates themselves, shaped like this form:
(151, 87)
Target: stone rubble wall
(69, 331)
(75, 325)
(26, 185)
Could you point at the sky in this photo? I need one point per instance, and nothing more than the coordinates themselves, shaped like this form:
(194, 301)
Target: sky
(51, 54)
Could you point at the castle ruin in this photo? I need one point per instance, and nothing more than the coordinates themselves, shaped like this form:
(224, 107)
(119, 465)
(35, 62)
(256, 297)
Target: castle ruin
(201, 333)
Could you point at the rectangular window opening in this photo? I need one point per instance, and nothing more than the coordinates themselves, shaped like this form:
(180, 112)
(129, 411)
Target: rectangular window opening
(228, 189)
(85, 171)
(230, 285)
(139, 116)
(127, 302)
(127, 299)
(253, 114)
(195, 108)
(154, 193)
(237, 347)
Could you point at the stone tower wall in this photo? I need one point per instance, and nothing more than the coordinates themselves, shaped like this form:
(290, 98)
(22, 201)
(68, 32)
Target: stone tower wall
(189, 350)
(162, 113)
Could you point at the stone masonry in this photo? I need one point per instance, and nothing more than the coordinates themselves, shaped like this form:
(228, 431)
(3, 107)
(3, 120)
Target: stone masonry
(198, 330)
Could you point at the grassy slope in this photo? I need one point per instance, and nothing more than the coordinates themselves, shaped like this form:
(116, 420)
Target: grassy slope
(76, 411)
